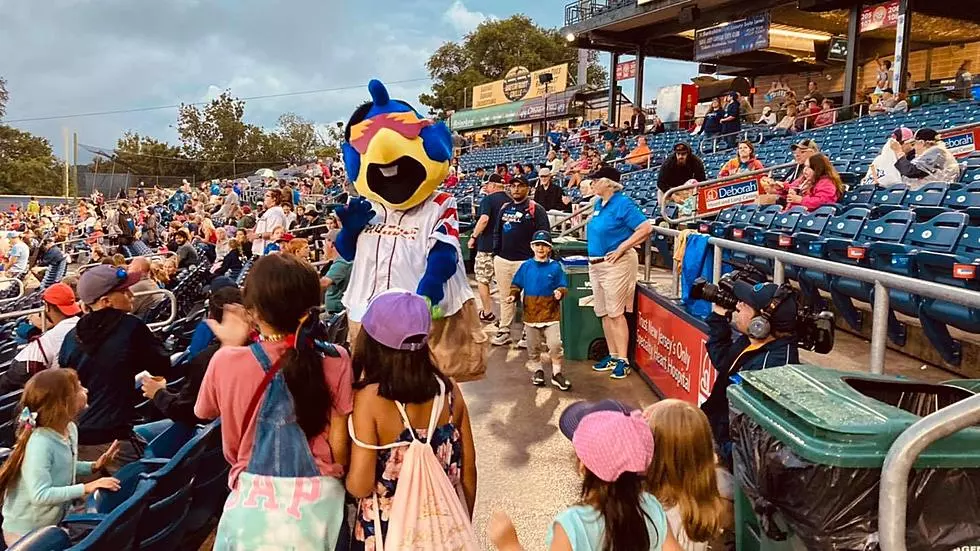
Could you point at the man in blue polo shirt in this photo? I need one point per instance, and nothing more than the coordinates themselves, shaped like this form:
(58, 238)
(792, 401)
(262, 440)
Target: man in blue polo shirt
(518, 221)
(615, 228)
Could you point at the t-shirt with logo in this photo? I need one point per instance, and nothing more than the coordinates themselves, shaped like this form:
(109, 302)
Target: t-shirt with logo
(516, 227)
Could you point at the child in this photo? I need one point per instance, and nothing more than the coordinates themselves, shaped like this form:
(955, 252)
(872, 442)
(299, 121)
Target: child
(38, 480)
(614, 447)
(685, 477)
(544, 284)
(275, 244)
(687, 200)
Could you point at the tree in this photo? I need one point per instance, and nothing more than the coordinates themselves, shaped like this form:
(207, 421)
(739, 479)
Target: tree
(4, 97)
(487, 53)
(295, 140)
(27, 164)
(218, 135)
(144, 155)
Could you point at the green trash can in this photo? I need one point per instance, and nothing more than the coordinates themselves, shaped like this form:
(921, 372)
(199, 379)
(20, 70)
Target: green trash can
(581, 330)
(809, 444)
(569, 246)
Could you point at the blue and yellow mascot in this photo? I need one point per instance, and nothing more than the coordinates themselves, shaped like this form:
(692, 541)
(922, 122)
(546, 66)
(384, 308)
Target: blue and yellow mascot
(401, 233)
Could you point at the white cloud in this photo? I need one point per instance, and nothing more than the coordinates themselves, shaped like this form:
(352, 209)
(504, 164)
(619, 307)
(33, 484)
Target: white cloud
(462, 19)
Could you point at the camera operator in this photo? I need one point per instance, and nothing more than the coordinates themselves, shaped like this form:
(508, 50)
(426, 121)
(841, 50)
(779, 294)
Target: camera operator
(765, 317)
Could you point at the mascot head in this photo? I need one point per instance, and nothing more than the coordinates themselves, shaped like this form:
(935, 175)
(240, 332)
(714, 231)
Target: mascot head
(392, 154)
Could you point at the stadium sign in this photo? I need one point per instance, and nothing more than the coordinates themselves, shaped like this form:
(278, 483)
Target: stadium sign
(963, 143)
(737, 37)
(715, 197)
(520, 84)
(881, 16)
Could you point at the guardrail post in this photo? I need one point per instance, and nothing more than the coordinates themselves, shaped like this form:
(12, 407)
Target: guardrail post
(879, 328)
(647, 253)
(716, 264)
(778, 272)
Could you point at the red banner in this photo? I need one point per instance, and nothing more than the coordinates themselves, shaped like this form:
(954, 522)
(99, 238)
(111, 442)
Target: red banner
(671, 352)
(716, 197)
(879, 17)
(626, 70)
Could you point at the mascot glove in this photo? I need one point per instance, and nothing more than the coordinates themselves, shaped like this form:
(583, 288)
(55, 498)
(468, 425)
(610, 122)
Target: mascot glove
(432, 289)
(435, 310)
(356, 214)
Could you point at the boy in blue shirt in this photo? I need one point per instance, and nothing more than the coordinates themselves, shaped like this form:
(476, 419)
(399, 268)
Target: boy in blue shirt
(544, 284)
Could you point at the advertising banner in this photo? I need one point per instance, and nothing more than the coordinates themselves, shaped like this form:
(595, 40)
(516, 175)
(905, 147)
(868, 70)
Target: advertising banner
(881, 16)
(671, 351)
(963, 142)
(626, 70)
(716, 197)
(737, 37)
(520, 84)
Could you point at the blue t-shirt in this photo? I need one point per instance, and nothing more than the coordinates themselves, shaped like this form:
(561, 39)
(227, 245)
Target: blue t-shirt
(490, 205)
(585, 526)
(732, 110)
(612, 223)
(518, 222)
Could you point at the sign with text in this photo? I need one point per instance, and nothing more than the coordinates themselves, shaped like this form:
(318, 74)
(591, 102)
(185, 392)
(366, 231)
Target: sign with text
(626, 70)
(519, 84)
(716, 197)
(881, 16)
(962, 143)
(671, 352)
(737, 37)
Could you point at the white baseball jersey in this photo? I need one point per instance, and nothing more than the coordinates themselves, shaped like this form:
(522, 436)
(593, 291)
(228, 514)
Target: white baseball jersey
(393, 249)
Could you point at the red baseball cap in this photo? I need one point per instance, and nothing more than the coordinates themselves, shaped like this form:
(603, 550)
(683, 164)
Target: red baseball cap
(61, 296)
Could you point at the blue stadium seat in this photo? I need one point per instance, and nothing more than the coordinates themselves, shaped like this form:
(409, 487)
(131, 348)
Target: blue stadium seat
(780, 232)
(859, 195)
(966, 199)
(742, 215)
(753, 232)
(956, 269)
(117, 529)
(844, 226)
(8, 417)
(721, 221)
(210, 488)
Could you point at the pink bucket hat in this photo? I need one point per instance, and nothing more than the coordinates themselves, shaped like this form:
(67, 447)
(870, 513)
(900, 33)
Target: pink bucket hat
(610, 443)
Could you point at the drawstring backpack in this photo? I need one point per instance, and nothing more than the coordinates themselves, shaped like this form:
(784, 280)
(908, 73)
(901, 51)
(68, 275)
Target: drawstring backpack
(281, 500)
(427, 511)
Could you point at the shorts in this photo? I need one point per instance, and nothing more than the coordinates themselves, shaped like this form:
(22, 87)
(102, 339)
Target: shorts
(483, 268)
(614, 285)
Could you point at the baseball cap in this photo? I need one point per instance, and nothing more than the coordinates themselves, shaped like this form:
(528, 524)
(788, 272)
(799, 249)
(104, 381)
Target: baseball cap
(519, 181)
(220, 282)
(902, 134)
(396, 316)
(760, 295)
(609, 437)
(496, 179)
(103, 279)
(541, 236)
(544, 172)
(606, 171)
(246, 210)
(62, 297)
(805, 144)
(926, 134)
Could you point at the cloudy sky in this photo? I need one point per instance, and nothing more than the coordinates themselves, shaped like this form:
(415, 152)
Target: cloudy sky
(68, 57)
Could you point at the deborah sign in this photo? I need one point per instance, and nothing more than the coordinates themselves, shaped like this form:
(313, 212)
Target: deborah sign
(963, 143)
(715, 197)
(671, 352)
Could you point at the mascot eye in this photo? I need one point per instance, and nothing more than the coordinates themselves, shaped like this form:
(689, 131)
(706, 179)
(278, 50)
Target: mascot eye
(406, 125)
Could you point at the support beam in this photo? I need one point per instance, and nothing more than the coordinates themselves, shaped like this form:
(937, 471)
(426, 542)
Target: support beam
(613, 97)
(853, 48)
(640, 60)
(903, 35)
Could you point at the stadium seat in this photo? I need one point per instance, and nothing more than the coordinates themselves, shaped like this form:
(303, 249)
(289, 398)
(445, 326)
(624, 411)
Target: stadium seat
(753, 232)
(722, 226)
(808, 242)
(780, 232)
(116, 530)
(859, 195)
(8, 417)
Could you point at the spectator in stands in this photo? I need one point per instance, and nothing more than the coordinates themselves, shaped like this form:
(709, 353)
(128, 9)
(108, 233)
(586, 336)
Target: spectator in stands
(109, 347)
(614, 447)
(481, 175)
(750, 350)
(38, 479)
(827, 116)
(482, 241)
(768, 118)
(51, 255)
(291, 216)
(638, 121)
(711, 126)
(810, 113)
(890, 103)
(504, 173)
(731, 122)
(398, 390)
(577, 169)
(882, 171)
(143, 304)
(554, 139)
(745, 107)
(554, 163)
(813, 92)
(548, 195)
(640, 156)
(608, 152)
(530, 174)
(337, 277)
(179, 406)
(273, 217)
(61, 315)
(186, 253)
(681, 166)
(964, 81)
(16, 264)
(519, 220)
(744, 161)
(883, 78)
(230, 202)
(821, 185)
(697, 493)
(776, 191)
(616, 226)
(657, 126)
(929, 160)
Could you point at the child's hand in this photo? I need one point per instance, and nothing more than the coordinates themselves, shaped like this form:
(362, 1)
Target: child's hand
(105, 483)
(511, 299)
(557, 294)
(108, 457)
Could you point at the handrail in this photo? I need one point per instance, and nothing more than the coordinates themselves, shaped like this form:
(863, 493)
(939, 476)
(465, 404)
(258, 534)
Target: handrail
(685, 187)
(20, 292)
(154, 256)
(746, 130)
(173, 307)
(21, 313)
(893, 488)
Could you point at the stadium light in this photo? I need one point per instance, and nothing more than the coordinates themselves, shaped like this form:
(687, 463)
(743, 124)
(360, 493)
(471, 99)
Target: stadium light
(797, 34)
(570, 37)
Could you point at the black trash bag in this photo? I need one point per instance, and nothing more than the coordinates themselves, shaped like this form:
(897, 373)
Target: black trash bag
(836, 508)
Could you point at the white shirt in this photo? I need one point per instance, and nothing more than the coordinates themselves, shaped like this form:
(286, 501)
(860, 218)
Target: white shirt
(21, 252)
(46, 348)
(270, 220)
(393, 249)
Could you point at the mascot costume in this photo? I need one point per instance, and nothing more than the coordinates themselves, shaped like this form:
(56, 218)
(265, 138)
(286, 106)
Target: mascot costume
(401, 233)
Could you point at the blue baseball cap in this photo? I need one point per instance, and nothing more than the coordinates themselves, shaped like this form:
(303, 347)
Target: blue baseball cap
(542, 237)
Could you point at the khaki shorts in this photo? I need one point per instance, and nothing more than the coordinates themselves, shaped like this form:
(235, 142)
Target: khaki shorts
(483, 268)
(614, 285)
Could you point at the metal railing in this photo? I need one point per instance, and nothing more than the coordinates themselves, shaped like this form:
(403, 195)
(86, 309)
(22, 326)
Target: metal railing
(20, 289)
(746, 135)
(152, 326)
(894, 486)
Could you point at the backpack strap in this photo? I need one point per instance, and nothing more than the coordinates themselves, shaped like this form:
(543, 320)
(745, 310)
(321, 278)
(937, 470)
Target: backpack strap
(433, 419)
(270, 372)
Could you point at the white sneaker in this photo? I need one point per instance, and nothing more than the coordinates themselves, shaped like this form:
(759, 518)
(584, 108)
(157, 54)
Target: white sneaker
(501, 339)
(522, 344)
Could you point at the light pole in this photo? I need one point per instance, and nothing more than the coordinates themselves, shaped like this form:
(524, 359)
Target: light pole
(545, 79)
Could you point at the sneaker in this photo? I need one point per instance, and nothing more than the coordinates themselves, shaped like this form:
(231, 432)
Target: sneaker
(538, 378)
(487, 317)
(621, 369)
(560, 381)
(521, 343)
(501, 339)
(605, 364)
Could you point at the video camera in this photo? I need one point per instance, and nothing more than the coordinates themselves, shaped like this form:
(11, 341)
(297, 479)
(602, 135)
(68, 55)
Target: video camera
(814, 330)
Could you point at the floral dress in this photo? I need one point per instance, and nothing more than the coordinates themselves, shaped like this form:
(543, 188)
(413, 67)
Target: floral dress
(448, 447)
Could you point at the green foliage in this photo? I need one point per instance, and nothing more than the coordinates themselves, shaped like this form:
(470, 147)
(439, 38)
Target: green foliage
(487, 53)
(4, 97)
(27, 165)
